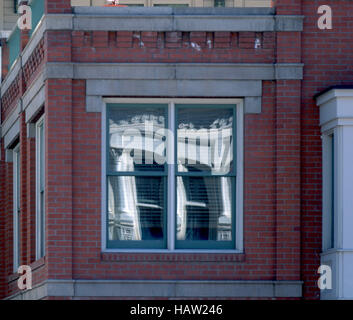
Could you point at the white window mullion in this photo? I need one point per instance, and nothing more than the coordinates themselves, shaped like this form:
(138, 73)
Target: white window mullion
(171, 177)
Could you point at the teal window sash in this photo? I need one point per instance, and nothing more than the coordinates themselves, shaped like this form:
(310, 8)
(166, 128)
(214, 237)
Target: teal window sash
(141, 244)
(211, 244)
(207, 244)
(40, 188)
(179, 244)
(136, 244)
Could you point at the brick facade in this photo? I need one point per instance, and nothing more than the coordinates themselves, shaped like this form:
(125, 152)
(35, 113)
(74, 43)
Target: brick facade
(282, 152)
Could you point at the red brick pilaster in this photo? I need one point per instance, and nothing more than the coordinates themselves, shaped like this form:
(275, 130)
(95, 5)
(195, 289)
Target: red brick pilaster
(58, 144)
(288, 6)
(288, 179)
(57, 6)
(23, 190)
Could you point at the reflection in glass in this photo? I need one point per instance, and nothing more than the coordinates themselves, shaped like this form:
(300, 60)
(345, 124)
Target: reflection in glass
(136, 139)
(205, 139)
(204, 208)
(135, 208)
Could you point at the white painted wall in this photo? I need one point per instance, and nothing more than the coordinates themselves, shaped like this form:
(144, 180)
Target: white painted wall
(336, 116)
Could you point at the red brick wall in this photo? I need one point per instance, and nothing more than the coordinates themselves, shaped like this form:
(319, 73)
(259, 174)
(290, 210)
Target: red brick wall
(282, 191)
(328, 59)
(129, 46)
(74, 162)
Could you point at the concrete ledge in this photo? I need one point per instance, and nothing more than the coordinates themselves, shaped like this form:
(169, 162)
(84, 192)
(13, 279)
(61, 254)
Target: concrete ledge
(133, 11)
(32, 91)
(252, 105)
(58, 21)
(174, 88)
(94, 104)
(163, 288)
(184, 19)
(186, 23)
(35, 105)
(11, 119)
(289, 23)
(11, 76)
(12, 134)
(170, 71)
(34, 97)
(289, 71)
(58, 71)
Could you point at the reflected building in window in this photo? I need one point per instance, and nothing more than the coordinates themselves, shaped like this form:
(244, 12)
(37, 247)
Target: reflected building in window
(203, 203)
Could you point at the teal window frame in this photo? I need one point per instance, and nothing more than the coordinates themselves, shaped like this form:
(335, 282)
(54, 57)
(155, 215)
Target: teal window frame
(40, 188)
(178, 245)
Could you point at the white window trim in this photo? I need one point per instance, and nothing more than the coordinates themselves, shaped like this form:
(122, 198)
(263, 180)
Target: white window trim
(39, 241)
(239, 175)
(16, 208)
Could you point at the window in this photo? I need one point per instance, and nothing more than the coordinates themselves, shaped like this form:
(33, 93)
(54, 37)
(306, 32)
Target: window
(172, 175)
(16, 207)
(219, 3)
(329, 190)
(40, 189)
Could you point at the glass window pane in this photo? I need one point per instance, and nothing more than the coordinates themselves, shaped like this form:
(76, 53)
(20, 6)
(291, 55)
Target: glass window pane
(136, 138)
(136, 208)
(205, 139)
(204, 208)
(42, 225)
(17, 210)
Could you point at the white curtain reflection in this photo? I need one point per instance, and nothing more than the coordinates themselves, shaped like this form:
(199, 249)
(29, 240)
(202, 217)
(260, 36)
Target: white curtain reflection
(124, 219)
(207, 215)
(204, 146)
